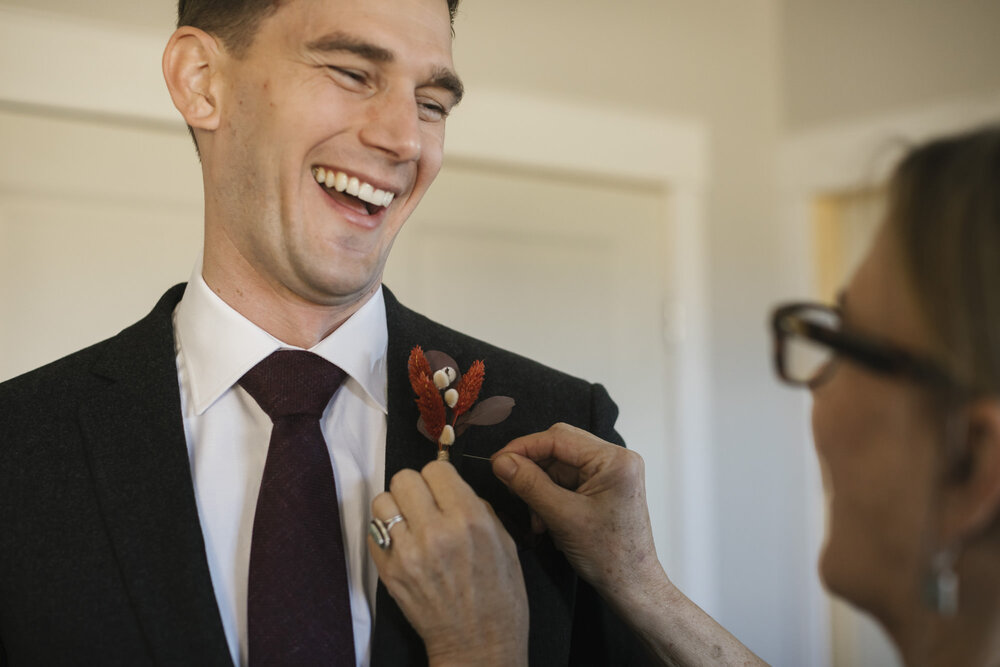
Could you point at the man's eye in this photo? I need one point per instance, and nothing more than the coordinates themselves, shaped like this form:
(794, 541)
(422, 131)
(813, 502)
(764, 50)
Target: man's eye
(432, 111)
(350, 75)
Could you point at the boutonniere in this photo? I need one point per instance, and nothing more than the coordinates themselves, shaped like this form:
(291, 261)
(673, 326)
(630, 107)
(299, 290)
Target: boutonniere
(447, 399)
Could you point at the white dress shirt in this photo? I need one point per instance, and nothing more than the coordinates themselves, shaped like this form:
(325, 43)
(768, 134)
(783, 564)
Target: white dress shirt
(227, 437)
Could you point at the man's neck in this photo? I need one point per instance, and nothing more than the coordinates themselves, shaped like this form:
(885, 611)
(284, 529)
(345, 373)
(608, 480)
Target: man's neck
(285, 315)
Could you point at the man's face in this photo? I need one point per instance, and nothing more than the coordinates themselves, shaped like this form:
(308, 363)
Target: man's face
(353, 93)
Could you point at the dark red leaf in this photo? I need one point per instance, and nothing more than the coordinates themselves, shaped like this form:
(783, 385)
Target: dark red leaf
(489, 411)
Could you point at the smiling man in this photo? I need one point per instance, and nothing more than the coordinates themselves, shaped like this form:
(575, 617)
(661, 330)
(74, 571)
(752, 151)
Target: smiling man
(162, 497)
(317, 140)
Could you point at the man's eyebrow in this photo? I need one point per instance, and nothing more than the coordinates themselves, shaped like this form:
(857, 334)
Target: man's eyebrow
(442, 77)
(338, 41)
(448, 80)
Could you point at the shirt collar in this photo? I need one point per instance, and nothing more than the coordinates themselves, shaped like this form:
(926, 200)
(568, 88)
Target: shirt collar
(219, 345)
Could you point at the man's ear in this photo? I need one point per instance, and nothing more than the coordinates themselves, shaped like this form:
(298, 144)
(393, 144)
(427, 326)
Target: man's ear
(191, 67)
(972, 494)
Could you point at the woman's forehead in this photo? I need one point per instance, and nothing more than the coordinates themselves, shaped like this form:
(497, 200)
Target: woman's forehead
(880, 298)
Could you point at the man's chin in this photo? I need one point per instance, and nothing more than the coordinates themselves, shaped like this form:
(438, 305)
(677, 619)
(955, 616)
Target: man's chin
(340, 291)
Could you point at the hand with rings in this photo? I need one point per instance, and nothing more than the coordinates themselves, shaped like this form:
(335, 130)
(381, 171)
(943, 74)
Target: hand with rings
(451, 567)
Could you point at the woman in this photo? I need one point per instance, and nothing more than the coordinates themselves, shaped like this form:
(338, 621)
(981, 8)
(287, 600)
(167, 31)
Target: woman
(905, 378)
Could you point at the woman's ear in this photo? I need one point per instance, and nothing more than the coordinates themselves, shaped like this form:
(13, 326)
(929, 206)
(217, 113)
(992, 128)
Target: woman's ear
(190, 67)
(972, 493)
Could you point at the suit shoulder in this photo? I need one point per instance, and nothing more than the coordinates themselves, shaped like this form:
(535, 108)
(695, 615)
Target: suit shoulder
(39, 416)
(52, 380)
(543, 395)
(66, 380)
(417, 329)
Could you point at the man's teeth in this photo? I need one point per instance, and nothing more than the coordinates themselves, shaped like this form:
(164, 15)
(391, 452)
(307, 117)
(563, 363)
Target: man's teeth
(353, 186)
(341, 182)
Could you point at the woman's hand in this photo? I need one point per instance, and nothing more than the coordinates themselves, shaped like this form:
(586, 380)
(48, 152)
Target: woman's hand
(591, 497)
(453, 569)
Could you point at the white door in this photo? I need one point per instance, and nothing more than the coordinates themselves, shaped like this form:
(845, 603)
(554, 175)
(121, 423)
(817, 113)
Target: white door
(566, 269)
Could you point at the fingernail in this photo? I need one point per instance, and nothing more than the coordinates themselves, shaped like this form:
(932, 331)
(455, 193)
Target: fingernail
(504, 467)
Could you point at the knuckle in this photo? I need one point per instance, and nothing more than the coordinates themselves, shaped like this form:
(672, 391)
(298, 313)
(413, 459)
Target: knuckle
(460, 522)
(434, 468)
(633, 463)
(441, 544)
(560, 428)
(478, 521)
(408, 559)
(509, 546)
(380, 499)
(404, 569)
(487, 507)
(524, 483)
(483, 522)
(402, 479)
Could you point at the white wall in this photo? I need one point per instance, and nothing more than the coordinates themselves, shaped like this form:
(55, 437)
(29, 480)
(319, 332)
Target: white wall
(853, 59)
(750, 72)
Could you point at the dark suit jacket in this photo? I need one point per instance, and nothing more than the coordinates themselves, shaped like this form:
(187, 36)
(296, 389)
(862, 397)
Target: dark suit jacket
(102, 560)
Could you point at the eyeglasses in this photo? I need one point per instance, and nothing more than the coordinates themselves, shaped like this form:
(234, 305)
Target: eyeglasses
(809, 339)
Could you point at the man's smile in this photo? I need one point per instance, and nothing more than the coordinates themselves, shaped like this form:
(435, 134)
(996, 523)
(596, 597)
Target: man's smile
(352, 191)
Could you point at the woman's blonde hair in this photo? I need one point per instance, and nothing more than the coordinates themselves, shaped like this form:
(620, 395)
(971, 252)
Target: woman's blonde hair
(944, 209)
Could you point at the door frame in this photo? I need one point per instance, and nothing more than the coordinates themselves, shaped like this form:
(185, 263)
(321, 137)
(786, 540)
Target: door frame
(495, 127)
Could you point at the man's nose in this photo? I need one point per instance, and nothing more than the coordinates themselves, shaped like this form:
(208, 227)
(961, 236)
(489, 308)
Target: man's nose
(392, 125)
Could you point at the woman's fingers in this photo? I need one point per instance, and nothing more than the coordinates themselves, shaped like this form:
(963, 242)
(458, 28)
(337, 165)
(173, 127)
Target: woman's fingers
(454, 571)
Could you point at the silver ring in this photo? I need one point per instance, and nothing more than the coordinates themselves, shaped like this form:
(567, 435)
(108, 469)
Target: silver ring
(379, 530)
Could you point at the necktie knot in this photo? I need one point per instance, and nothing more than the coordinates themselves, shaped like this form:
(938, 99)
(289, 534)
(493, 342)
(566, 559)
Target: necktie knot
(293, 382)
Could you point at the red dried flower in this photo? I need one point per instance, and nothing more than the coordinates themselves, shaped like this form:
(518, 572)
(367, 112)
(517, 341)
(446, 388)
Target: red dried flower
(468, 388)
(418, 365)
(429, 400)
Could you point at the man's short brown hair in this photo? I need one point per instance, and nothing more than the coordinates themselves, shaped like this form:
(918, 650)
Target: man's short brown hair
(235, 21)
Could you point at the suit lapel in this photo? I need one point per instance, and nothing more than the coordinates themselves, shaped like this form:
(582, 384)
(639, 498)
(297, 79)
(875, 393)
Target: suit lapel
(134, 436)
(394, 641)
(405, 446)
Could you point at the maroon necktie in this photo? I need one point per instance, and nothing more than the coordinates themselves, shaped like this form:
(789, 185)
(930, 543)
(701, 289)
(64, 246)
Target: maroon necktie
(298, 608)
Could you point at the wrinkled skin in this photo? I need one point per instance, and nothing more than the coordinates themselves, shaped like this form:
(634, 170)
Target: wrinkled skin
(453, 569)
